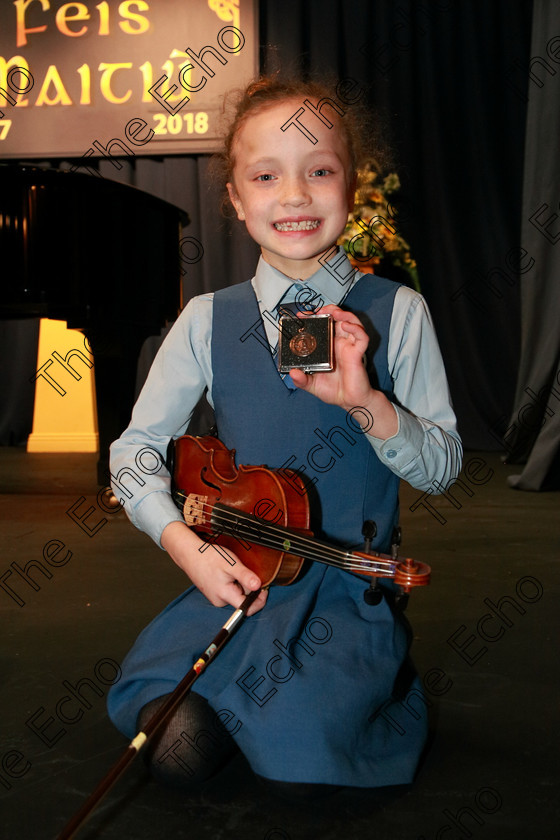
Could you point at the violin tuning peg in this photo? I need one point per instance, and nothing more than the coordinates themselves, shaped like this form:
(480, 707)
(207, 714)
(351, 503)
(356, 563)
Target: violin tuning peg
(396, 537)
(369, 529)
(401, 602)
(373, 594)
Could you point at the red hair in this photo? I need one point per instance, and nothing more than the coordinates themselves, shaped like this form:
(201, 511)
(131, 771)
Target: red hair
(267, 91)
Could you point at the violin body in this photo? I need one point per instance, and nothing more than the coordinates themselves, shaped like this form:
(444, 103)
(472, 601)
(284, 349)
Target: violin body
(203, 466)
(256, 513)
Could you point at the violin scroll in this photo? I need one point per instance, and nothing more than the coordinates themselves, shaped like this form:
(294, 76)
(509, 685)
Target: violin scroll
(409, 573)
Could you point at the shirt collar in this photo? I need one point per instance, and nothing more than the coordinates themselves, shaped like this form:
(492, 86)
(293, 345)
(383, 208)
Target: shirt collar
(271, 285)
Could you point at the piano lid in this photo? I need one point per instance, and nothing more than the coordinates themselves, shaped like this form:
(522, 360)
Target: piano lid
(86, 250)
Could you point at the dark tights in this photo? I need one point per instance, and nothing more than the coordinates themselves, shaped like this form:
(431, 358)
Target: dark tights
(191, 746)
(194, 745)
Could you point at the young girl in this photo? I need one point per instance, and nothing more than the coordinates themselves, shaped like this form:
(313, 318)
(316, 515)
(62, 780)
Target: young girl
(310, 686)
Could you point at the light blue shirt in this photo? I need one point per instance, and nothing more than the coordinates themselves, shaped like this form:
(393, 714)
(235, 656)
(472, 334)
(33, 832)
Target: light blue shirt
(426, 449)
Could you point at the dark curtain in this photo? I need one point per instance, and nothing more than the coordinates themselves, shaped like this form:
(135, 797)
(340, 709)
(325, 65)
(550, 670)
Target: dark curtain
(533, 434)
(448, 83)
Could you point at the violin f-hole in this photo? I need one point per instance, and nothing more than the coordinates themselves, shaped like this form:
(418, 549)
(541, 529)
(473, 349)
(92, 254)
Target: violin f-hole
(209, 483)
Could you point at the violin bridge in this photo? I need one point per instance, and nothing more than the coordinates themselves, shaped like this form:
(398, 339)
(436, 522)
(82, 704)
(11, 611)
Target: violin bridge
(193, 510)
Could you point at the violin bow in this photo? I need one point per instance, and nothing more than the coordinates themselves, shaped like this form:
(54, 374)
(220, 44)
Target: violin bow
(156, 721)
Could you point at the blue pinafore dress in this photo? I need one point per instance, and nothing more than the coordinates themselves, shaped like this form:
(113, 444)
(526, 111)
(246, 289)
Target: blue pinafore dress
(311, 686)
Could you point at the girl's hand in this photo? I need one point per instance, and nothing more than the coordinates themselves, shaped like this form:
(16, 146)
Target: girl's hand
(222, 581)
(348, 385)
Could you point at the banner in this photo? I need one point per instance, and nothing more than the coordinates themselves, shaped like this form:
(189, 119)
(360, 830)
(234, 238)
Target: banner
(142, 77)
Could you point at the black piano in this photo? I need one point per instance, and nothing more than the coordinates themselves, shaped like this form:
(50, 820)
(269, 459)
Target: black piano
(99, 255)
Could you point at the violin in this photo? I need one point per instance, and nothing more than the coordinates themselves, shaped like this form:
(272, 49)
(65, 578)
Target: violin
(263, 518)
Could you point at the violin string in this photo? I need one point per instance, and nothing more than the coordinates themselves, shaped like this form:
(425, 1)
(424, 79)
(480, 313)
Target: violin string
(232, 520)
(221, 515)
(309, 548)
(379, 564)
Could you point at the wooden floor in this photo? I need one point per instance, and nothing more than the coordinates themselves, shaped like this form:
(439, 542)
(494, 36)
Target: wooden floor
(492, 772)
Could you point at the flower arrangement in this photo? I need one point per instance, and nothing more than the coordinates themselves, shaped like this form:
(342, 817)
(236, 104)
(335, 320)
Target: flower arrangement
(371, 235)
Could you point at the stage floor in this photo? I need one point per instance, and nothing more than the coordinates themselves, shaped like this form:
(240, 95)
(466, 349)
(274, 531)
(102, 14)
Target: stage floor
(492, 771)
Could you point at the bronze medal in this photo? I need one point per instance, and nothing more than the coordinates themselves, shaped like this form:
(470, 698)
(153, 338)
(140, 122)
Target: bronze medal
(303, 343)
(306, 344)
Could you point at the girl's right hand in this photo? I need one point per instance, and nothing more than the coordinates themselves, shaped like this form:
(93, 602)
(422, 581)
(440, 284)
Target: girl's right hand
(222, 581)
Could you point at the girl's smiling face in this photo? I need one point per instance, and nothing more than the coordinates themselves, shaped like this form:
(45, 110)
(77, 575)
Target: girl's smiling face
(293, 195)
